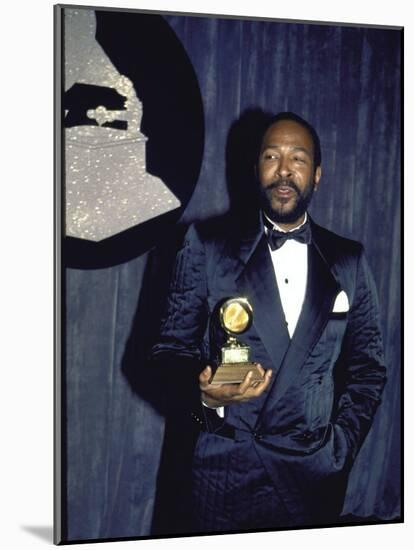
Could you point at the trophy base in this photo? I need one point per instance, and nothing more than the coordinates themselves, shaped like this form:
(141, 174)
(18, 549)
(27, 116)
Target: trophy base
(234, 373)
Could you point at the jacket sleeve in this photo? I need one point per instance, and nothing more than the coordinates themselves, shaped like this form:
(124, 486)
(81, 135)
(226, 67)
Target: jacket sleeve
(178, 352)
(361, 368)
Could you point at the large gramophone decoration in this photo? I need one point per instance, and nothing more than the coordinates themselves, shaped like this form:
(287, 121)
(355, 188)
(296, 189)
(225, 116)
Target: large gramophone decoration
(234, 316)
(107, 187)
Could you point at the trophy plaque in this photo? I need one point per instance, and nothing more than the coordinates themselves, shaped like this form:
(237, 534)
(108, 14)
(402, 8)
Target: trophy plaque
(236, 316)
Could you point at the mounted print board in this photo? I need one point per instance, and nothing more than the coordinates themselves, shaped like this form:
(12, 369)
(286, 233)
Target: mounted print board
(159, 119)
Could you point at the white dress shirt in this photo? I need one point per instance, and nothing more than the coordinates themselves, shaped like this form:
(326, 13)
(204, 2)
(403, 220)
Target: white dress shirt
(290, 263)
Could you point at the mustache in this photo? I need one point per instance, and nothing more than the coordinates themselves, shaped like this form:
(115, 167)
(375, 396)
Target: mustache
(283, 183)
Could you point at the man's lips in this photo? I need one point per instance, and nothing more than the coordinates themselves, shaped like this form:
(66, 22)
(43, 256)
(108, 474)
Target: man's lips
(283, 191)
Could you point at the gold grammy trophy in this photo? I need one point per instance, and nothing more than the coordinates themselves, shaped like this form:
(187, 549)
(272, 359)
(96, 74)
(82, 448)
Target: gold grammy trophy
(236, 316)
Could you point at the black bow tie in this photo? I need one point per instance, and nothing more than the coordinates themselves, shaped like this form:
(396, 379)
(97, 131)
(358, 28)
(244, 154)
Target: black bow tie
(277, 238)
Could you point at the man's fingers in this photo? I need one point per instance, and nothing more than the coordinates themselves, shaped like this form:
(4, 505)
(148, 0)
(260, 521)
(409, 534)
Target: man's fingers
(204, 378)
(258, 383)
(260, 369)
(227, 393)
(266, 380)
(268, 376)
(261, 386)
(245, 384)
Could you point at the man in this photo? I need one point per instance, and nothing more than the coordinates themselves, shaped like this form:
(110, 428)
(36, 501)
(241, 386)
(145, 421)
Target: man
(278, 452)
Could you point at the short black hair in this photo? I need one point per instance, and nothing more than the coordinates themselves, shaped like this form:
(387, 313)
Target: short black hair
(288, 115)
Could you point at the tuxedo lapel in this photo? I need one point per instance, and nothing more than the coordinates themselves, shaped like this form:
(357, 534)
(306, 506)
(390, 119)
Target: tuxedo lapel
(257, 282)
(321, 291)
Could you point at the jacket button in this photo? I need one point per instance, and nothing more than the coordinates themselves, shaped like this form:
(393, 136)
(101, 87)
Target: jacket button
(196, 418)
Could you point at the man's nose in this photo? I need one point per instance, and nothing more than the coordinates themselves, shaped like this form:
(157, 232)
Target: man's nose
(283, 168)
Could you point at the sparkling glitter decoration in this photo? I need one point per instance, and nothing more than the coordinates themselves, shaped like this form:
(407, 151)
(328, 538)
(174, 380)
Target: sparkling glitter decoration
(108, 189)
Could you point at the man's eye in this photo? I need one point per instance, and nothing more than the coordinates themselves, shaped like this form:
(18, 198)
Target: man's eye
(270, 156)
(299, 159)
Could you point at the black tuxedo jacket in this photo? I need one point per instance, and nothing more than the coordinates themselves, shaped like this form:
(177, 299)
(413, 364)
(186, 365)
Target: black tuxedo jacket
(302, 435)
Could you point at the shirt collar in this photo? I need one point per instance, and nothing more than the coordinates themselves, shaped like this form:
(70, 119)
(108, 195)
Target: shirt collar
(275, 226)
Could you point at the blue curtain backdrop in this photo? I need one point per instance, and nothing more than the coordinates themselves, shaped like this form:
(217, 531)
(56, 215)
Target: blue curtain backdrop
(346, 82)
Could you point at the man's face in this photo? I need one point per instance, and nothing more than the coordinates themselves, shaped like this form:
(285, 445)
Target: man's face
(286, 172)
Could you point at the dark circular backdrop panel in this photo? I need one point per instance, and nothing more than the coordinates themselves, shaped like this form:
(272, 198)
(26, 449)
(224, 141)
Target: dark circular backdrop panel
(144, 48)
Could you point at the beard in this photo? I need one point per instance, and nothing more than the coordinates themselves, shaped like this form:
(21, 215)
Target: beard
(281, 211)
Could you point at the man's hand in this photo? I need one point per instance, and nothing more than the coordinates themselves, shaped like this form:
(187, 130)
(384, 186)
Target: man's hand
(225, 394)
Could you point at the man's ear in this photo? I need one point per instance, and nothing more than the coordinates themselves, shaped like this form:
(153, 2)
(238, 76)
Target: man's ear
(316, 178)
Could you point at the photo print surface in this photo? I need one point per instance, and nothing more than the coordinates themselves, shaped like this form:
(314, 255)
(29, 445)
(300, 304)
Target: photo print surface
(166, 124)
